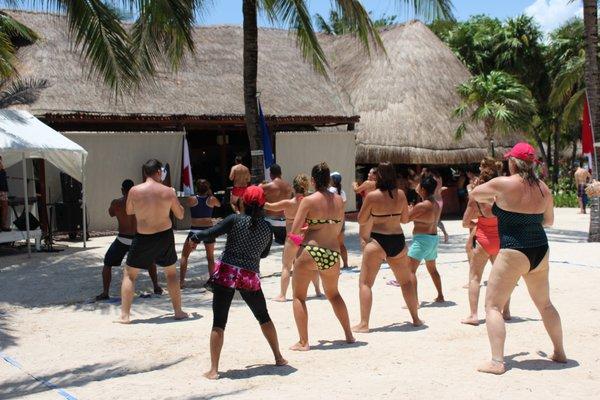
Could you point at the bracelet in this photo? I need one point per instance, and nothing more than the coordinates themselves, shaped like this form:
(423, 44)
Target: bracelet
(295, 238)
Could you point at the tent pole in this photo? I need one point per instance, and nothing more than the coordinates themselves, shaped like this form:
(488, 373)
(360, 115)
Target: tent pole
(26, 203)
(83, 197)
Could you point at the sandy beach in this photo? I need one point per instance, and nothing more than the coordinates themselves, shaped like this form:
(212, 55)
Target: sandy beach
(50, 330)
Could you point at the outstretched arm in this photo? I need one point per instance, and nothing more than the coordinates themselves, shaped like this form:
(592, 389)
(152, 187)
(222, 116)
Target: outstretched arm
(221, 228)
(278, 206)
(487, 192)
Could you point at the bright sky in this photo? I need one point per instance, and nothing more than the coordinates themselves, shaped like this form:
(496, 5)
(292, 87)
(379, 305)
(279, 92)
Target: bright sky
(549, 13)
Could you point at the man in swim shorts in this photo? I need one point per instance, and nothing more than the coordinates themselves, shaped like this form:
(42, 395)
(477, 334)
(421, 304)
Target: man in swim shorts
(119, 248)
(275, 191)
(240, 175)
(582, 178)
(154, 242)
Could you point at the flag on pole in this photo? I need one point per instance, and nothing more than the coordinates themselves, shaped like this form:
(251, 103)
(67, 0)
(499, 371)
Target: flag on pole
(587, 134)
(186, 174)
(268, 157)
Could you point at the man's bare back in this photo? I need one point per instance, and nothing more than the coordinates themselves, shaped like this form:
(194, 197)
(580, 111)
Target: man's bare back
(582, 176)
(151, 203)
(275, 191)
(118, 209)
(240, 175)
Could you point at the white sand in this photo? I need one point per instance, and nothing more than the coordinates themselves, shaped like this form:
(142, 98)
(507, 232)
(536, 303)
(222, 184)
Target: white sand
(48, 328)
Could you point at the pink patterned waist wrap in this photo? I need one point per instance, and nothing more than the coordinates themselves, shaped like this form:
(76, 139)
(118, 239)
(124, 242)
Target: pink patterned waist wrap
(235, 277)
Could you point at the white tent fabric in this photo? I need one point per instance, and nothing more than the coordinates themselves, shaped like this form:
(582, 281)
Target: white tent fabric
(22, 133)
(23, 136)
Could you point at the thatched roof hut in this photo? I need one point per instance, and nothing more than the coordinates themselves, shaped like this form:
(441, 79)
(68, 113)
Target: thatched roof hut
(404, 99)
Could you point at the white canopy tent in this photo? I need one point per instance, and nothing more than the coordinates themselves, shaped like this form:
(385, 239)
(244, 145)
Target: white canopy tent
(23, 136)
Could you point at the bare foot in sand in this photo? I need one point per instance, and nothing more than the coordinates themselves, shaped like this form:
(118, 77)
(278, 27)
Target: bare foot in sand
(319, 294)
(559, 357)
(417, 323)
(280, 299)
(492, 367)
(506, 315)
(181, 315)
(360, 328)
(212, 375)
(466, 286)
(300, 347)
(281, 362)
(182, 285)
(439, 299)
(470, 321)
(350, 339)
(122, 320)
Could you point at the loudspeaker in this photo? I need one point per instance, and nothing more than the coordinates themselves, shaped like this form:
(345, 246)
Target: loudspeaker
(71, 189)
(69, 217)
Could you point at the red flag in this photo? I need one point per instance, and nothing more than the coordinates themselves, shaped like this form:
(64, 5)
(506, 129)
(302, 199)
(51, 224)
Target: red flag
(587, 136)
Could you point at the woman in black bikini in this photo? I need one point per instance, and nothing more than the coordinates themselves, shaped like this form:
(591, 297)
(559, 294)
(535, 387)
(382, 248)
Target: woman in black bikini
(385, 208)
(523, 205)
(323, 212)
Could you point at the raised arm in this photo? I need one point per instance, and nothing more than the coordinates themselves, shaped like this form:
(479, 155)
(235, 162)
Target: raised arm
(176, 206)
(192, 201)
(213, 201)
(219, 229)
(366, 185)
(470, 214)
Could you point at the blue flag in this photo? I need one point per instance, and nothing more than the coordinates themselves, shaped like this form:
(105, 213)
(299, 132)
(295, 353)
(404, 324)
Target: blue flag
(269, 158)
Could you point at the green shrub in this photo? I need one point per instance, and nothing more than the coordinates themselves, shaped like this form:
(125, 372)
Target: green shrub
(565, 194)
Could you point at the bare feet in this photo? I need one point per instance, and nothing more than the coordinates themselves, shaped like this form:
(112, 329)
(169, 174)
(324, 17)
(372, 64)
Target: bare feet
(466, 286)
(300, 347)
(493, 367)
(446, 238)
(182, 286)
(280, 362)
(506, 316)
(122, 320)
(470, 321)
(280, 299)
(439, 299)
(559, 357)
(211, 375)
(319, 294)
(158, 290)
(350, 339)
(181, 315)
(417, 323)
(360, 328)
(102, 296)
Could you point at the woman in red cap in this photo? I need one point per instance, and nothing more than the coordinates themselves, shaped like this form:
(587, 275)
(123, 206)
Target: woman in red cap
(323, 212)
(523, 205)
(249, 239)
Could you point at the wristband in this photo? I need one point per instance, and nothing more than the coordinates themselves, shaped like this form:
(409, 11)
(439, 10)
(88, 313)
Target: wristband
(295, 238)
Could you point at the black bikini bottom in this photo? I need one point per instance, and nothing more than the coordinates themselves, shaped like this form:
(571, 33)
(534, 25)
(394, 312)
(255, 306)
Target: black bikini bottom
(391, 244)
(535, 255)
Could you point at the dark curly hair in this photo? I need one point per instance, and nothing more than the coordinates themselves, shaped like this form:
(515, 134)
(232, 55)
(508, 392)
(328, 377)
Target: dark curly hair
(489, 169)
(428, 184)
(321, 175)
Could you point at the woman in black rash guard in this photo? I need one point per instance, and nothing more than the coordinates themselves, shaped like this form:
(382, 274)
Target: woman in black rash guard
(249, 239)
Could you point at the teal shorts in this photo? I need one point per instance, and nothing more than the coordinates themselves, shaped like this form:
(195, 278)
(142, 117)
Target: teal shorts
(424, 247)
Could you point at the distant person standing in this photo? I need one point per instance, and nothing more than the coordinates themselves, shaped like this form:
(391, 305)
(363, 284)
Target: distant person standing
(336, 188)
(276, 191)
(582, 178)
(4, 218)
(240, 175)
(367, 186)
(119, 248)
(154, 242)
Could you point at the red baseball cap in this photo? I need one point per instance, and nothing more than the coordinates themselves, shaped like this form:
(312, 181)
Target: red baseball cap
(254, 195)
(523, 151)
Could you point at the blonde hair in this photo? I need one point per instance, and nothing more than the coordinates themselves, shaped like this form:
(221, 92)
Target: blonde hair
(301, 184)
(525, 169)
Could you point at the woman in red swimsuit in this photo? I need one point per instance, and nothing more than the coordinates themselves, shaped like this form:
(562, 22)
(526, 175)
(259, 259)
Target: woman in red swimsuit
(486, 242)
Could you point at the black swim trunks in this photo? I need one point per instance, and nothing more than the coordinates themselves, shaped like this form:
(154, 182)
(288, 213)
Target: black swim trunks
(156, 248)
(118, 249)
(195, 229)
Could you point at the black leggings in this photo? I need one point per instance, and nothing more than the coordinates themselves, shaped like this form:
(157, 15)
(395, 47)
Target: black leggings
(222, 297)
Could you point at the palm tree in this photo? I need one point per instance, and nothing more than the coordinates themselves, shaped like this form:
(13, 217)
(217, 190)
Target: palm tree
(20, 91)
(498, 100)
(335, 25)
(13, 35)
(590, 20)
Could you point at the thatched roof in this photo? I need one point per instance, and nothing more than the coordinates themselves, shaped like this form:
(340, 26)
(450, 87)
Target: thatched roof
(405, 99)
(209, 84)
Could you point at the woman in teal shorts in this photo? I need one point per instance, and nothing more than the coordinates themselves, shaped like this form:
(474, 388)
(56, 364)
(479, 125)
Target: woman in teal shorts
(425, 216)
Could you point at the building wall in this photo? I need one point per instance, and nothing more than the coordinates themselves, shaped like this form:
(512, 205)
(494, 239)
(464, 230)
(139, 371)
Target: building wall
(112, 158)
(298, 151)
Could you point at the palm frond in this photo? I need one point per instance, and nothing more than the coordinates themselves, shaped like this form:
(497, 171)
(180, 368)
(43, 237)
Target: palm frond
(7, 57)
(20, 91)
(573, 109)
(322, 25)
(359, 23)
(19, 33)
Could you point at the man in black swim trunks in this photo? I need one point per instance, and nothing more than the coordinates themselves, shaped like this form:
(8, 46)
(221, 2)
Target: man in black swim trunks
(154, 242)
(119, 248)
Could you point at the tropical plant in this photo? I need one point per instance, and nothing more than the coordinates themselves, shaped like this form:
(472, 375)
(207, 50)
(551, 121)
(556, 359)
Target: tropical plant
(13, 35)
(590, 20)
(20, 91)
(498, 101)
(336, 25)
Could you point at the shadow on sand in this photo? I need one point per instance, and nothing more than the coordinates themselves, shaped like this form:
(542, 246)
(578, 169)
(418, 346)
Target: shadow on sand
(336, 345)
(400, 327)
(258, 370)
(166, 319)
(539, 364)
(516, 320)
(437, 304)
(208, 396)
(73, 377)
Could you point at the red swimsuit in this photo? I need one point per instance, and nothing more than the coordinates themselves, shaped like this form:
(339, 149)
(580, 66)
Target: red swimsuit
(487, 234)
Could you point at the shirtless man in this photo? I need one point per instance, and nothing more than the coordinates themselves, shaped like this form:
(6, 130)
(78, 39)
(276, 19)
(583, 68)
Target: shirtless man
(425, 216)
(240, 175)
(275, 191)
(151, 202)
(582, 178)
(119, 248)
